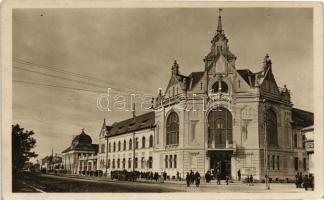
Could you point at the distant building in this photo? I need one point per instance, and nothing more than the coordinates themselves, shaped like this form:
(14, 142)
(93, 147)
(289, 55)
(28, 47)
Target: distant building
(220, 118)
(308, 143)
(81, 155)
(52, 162)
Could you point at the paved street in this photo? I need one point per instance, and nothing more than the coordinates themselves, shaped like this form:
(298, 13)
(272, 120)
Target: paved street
(52, 183)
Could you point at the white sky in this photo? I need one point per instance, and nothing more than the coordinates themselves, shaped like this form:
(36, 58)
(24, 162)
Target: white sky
(136, 48)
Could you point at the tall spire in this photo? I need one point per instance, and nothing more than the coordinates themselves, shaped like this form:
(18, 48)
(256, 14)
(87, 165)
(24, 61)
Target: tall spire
(219, 27)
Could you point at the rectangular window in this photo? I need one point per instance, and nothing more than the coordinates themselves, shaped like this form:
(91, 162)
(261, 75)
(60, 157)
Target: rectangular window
(113, 164)
(109, 147)
(166, 161)
(304, 164)
(129, 163)
(136, 163)
(295, 141)
(268, 162)
(150, 163)
(273, 162)
(118, 163)
(278, 163)
(142, 163)
(102, 148)
(108, 164)
(170, 161)
(296, 163)
(193, 130)
(175, 161)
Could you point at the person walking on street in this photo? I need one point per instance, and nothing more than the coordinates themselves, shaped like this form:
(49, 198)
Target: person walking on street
(197, 179)
(239, 174)
(306, 182)
(311, 181)
(188, 179)
(251, 180)
(192, 177)
(218, 177)
(227, 178)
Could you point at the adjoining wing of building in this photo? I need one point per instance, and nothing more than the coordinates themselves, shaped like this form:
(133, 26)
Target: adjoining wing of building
(220, 118)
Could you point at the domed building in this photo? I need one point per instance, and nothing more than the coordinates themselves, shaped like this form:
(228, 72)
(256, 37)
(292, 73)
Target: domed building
(81, 155)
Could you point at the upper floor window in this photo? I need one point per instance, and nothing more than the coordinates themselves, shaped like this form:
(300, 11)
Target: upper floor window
(124, 148)
(136, 143)
(295, 141)
(130, 144)
(102, 148)
(220, 86)
(172, 129)
(151, 141)
(272, 130)
(143, 142)
(109, 147)
(119, 146)
(114, 147)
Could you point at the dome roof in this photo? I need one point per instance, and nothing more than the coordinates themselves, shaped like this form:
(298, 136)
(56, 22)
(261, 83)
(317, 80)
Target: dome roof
(82, 138)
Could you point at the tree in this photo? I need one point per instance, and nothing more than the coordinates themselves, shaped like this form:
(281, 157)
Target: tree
(22, 144)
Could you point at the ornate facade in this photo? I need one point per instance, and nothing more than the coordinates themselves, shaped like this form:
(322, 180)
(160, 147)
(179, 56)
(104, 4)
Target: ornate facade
(220, 118)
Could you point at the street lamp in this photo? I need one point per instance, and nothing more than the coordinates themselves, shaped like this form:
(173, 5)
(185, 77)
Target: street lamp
(265, 146)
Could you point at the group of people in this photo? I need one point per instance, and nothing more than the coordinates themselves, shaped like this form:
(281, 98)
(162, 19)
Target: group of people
(192, 178)
(211, 174)
(306, 181)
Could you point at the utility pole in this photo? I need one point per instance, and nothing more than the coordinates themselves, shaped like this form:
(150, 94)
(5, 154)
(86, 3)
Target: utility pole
(106, 137)
(265, 146)
(134, 138)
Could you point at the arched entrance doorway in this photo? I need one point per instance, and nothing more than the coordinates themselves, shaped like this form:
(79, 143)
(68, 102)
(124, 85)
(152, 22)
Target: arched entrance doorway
(219, 137)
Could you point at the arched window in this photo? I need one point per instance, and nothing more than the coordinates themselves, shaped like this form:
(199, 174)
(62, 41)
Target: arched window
(172, 129)
(143, 142)
(130, 144)
(136, 143)
(124, 148)
(114, 147)
(219, 128)
(119, 146)
(151, 141)
(295, 141)
(109, 147)
(129, 162)
(124, 163)
(220, 87)
(272, 131)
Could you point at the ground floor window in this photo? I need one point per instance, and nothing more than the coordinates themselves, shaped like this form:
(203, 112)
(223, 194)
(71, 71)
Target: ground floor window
(278, 163)
(124, 163)
(296, 164)
(304, 164)
(129, 163)
(150, 162)
(136, 163)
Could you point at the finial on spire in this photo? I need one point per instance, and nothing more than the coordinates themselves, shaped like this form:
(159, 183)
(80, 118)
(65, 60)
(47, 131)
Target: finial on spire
(219, 27)
(175, 68)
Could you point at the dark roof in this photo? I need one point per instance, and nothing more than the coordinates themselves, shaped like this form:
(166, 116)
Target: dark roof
(140, 122)
(195, 77)
(245, 73)
(302, 118)
(91, 147)
(82, 138)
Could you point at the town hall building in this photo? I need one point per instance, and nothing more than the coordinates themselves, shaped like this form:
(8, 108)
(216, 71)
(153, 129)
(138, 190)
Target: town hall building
(220, 118)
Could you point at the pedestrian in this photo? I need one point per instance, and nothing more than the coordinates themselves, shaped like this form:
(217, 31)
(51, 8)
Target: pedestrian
(311, 181)
(251, 180)
(306, 182)
(218, 177)
(192, 177)
(207, 176)
(227, 178)
(188, 179)
(296, 179)
(239, 174)
(300, 180)
(178, 176)
(164, 175)
(197, 178)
